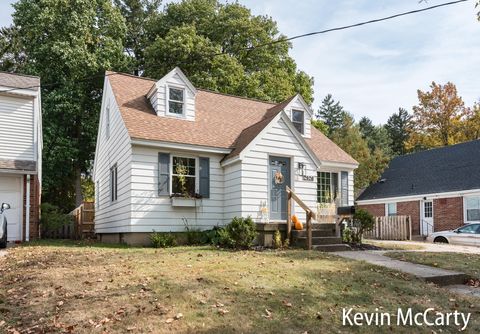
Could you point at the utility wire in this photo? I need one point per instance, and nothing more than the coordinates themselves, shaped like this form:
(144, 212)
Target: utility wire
(281, 40)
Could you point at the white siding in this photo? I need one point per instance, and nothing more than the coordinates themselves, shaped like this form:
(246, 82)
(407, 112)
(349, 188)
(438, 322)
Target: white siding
(278, 141)
(112, 217)
(233, 189)
(159, 98)
(17, 128)
(153, 212)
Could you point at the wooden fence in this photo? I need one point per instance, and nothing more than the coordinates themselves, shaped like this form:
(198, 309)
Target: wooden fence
(391, 228)
(80, 226)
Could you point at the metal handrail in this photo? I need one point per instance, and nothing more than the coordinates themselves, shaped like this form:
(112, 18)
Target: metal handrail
(428, 224)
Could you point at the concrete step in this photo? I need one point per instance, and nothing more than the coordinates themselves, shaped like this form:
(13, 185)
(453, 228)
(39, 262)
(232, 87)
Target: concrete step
(302, 241)
(332, 248)
(315, 233)
(322, 227)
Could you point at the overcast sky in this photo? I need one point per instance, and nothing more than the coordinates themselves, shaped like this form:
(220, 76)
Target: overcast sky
(375, 69)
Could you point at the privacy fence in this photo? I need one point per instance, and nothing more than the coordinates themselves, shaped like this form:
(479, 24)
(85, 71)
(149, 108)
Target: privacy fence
(391, 228)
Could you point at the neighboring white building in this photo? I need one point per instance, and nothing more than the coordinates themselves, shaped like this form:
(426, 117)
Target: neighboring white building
(20, 153)
(239, 154)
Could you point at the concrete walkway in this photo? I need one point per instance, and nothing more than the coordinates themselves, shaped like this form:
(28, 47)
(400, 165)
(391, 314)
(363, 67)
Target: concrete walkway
(429, 274)
(424, 246)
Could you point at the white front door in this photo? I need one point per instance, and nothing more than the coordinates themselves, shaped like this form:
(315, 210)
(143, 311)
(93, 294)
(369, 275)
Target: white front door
(426, 218)
(11, 193)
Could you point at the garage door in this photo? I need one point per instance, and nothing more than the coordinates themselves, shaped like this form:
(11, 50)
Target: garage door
(11, 193)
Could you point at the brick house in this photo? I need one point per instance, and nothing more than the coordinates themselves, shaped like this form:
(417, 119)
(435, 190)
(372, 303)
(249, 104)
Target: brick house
(20, 154)
(438, 188)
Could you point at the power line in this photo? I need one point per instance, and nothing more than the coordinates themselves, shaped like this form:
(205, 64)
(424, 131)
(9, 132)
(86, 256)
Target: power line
(281, 40)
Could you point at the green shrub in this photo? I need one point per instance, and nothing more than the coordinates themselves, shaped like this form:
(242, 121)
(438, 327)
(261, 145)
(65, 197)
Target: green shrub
(212, 237)
(52, 218)
(362, 221)
(277, 240)
(162, 240)
(239, 234)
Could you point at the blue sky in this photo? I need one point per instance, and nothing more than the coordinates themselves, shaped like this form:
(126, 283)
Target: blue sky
(375, 69)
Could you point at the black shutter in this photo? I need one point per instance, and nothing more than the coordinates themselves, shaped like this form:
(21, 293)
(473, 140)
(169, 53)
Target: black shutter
(163, 174)
(204, 177)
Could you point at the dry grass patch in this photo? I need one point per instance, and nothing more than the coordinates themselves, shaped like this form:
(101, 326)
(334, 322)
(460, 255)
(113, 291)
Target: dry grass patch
(54, 287)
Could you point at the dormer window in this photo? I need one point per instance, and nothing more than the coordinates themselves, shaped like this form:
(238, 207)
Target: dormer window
(298, 120)
(176, 101)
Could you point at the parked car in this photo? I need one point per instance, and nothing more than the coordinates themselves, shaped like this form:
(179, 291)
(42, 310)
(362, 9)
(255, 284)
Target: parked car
(3, 225)
(468, 235)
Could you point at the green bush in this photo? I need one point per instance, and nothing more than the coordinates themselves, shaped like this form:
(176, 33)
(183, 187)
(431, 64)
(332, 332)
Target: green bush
(162, 240)
(194, 235)
(212, 237)
(362, 221)
(239, 234)
(52, 218)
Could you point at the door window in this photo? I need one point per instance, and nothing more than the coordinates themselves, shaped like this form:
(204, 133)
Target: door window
(428, 210)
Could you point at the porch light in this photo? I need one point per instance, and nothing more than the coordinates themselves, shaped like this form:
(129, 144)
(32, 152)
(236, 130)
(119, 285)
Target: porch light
(302, 169)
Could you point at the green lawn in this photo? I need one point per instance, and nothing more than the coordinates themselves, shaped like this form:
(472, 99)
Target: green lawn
(467, 263)
(88, 288)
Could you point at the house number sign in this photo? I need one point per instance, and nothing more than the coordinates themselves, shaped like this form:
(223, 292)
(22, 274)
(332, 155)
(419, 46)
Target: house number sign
(308, 177)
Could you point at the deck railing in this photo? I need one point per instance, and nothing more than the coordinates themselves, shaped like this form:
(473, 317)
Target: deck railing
(310, 215)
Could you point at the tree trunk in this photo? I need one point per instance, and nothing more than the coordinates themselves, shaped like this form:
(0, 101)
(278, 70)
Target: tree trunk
(78, 187)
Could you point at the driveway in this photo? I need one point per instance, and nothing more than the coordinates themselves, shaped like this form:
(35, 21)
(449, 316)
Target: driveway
(429, 247)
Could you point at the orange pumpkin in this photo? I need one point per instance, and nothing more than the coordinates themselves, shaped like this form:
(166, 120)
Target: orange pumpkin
(296, 223)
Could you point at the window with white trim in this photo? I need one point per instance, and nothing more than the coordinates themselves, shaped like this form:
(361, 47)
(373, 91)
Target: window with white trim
(114, 183)
(184, 176)
(176, 101)
(472, 209)
(298, 120)
(391, 209)
(327, 187)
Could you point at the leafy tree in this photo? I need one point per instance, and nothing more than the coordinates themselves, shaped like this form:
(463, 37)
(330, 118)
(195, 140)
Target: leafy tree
(472, 123)
(138, 15)
(371, 164)
(320, 125)
(12, 56)
(209, 40)
(331, 113)
(67, 41)
(398, 128)
(437, 119)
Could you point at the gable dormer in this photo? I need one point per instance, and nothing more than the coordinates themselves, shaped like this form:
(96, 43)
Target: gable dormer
(300, 114)
(173, 96)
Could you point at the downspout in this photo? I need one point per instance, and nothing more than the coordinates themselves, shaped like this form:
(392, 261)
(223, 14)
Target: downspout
(27, 213)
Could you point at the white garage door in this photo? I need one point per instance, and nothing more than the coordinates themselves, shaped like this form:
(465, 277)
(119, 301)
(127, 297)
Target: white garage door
(11, 193)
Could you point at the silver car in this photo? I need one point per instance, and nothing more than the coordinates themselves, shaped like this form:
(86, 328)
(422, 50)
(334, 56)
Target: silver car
(468, 235)
(3, 225)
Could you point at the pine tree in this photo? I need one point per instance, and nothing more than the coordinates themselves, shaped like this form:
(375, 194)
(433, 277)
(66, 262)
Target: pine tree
(398, 128)
(331, 113)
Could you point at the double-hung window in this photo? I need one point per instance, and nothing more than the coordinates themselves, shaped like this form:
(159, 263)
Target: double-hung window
(298, 120)
(176, 101)
(114, 183)
(472, 209)
(184, 176)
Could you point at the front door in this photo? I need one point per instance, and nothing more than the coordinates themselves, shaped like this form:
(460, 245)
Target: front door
(279, 173)
(426, 216)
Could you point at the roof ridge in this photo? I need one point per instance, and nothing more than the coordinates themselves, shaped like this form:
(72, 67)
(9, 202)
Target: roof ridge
(128, 75)
(438, 148)
(238, 97)
(21, 74)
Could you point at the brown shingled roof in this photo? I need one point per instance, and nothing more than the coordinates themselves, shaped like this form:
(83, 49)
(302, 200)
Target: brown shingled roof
(19, 81)
(221, 121)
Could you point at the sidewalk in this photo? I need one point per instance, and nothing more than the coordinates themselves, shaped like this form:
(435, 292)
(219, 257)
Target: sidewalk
(429, 274)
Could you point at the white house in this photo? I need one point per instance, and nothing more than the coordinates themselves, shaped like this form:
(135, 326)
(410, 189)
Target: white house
(20, 153)
(233, 155)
